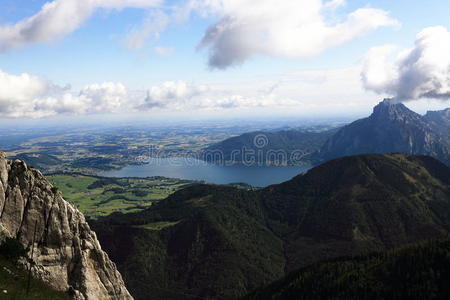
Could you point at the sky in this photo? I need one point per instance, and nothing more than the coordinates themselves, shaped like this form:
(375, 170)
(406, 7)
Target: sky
(169, 59)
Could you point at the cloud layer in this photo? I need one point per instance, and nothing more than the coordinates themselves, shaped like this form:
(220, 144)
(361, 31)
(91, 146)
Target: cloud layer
(58, 18)
(180, 95)
(292, 29)
(422, 71)
(29, 96)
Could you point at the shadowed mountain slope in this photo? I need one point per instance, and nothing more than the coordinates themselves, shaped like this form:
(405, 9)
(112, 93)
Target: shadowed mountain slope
(418, 271)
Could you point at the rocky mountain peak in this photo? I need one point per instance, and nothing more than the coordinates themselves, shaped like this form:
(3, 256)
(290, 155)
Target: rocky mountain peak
(66, 251)
(390, 109)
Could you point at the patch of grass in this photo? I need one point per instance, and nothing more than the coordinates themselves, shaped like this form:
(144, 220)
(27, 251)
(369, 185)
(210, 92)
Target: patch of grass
(157, 225)
(201, 201)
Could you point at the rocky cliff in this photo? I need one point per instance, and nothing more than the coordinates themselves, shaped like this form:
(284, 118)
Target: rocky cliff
(66, 251)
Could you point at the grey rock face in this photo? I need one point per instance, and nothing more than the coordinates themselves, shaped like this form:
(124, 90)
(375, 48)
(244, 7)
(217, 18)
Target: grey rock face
(66, 251)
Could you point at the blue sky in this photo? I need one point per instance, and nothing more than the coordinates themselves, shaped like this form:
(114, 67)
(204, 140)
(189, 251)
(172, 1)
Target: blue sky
(96, 52)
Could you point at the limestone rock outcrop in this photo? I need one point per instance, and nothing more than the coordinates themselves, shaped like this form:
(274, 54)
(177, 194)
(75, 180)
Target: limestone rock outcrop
(66, 251)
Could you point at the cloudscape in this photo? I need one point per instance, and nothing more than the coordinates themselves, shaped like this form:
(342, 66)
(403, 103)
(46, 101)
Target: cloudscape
(215, 56)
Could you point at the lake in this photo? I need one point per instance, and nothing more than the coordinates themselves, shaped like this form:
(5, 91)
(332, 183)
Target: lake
(193, 169)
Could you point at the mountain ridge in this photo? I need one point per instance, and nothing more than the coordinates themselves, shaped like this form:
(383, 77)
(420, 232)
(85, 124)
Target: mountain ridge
(392, 127)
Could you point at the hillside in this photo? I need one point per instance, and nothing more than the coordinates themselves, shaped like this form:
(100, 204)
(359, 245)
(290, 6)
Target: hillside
(286, 147)
(220, 242)
(393, 127)
(419, 271)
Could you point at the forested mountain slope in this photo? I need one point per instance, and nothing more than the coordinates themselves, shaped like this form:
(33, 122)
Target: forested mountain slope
(417, 271)
(221, 242)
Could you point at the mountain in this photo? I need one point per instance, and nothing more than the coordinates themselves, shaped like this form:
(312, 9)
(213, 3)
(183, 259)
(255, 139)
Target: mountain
(220, 242)
(418, 271)
(66, 253)
(393, 127)
(285, 147)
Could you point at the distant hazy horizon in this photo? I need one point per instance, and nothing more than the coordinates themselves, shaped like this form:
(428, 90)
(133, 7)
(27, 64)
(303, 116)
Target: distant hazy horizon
(292, 118)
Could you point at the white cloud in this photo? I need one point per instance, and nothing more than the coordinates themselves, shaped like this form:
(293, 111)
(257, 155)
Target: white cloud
(29, 96)
(20, 87)
(378, 71)
(105, 97)
(58, 18)
(16, 91)
(173, 94)
(152, 27)
(206, 98)
(422, 71)
(292, 29)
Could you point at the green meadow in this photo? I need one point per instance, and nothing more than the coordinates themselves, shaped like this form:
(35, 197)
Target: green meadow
(101, 196)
